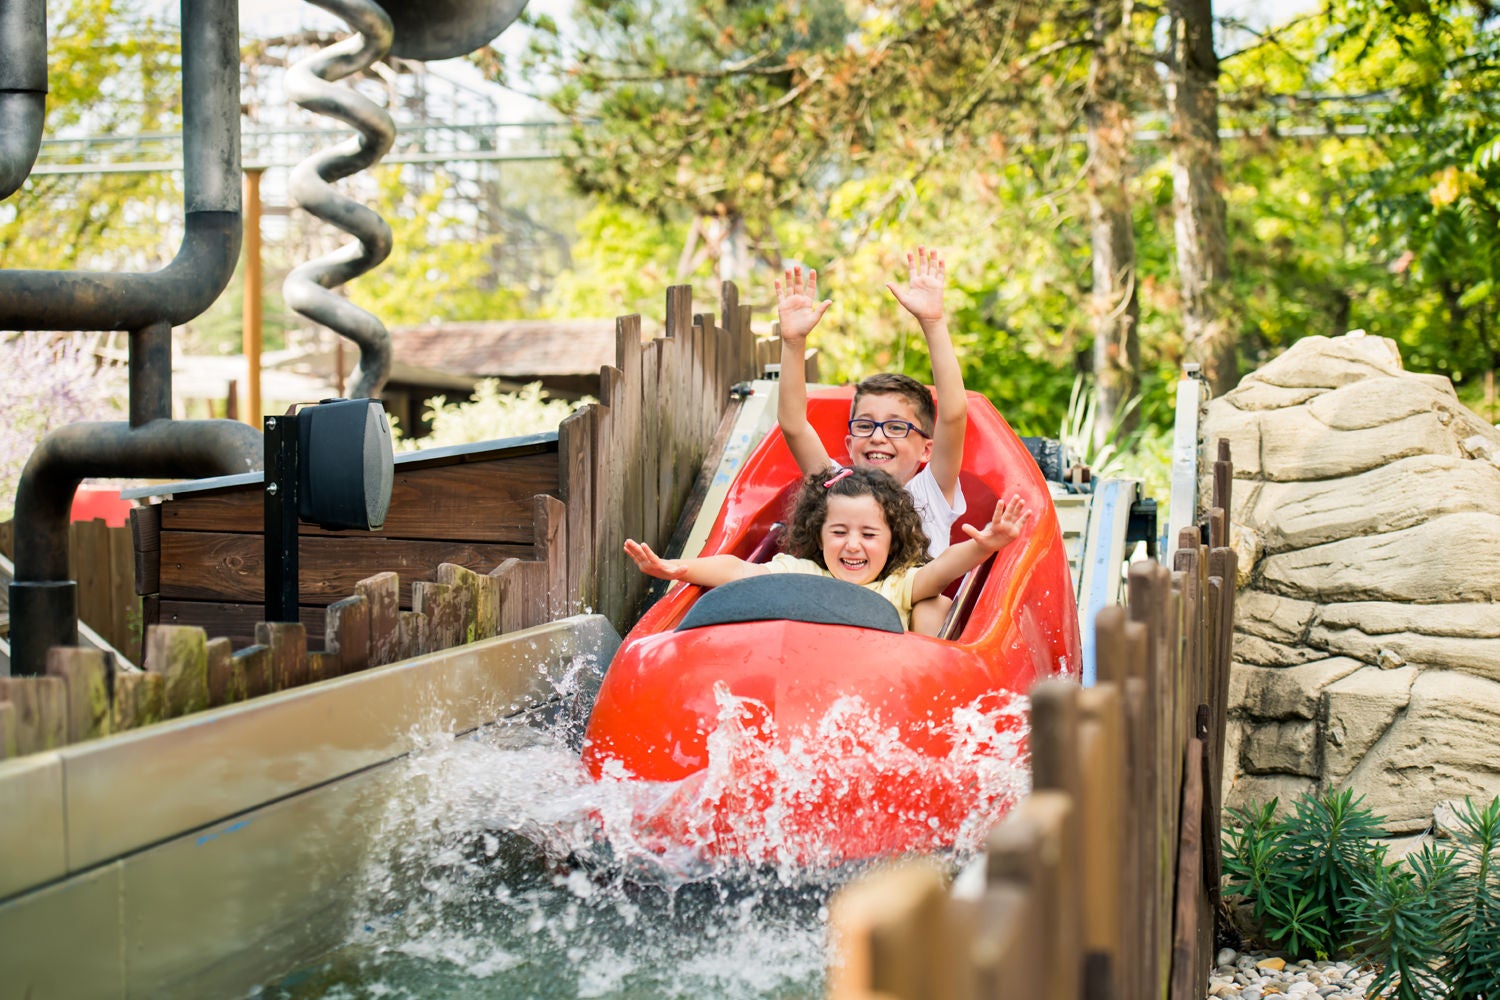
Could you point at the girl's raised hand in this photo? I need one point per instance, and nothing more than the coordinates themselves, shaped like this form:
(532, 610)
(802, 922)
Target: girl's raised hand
(923, 294)
(1004, 527)
(797, 307)
(652, 564)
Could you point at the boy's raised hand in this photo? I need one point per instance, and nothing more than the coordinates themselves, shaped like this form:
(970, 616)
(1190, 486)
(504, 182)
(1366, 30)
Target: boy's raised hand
(1004, 527)
(797, 305)
(652, 564)
(923, 294)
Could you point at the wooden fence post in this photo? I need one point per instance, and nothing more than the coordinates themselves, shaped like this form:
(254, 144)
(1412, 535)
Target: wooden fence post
(86, 676)
(898, 941)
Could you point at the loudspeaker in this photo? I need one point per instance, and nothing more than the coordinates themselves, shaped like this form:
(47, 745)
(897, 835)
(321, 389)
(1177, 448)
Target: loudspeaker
(346, 464)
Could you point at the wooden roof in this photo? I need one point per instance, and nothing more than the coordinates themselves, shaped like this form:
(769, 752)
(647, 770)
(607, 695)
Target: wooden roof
(509, 348)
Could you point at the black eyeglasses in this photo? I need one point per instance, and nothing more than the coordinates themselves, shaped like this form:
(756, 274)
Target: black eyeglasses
(890, 428)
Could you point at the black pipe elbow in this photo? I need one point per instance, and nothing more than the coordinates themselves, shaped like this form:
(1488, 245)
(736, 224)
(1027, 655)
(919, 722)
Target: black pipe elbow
(101, 300)
(161, 449)
(23, 89)
(21, 114)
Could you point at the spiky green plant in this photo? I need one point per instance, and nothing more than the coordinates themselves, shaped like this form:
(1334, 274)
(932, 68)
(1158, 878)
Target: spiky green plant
(1474, 969)
(1299, 873)
(1399, 917)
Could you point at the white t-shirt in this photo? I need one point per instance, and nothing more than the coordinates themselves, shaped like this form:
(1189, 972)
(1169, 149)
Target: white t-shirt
(937, 516)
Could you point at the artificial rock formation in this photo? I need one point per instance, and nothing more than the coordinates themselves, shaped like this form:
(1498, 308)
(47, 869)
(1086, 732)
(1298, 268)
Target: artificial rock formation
(1366, 516)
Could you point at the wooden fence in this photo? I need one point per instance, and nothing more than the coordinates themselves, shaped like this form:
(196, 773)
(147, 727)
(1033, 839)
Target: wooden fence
(486, 540)
(101, 559)
(1103, 882)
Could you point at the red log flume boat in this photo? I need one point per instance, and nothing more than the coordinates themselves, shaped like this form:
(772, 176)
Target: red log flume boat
(791, 718)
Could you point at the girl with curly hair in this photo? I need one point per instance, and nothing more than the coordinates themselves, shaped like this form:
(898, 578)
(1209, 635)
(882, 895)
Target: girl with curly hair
(859, 526)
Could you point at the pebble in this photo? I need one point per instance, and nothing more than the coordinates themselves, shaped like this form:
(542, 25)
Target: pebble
(1252, 976)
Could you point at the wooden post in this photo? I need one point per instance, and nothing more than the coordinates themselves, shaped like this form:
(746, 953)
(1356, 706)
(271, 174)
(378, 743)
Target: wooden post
(1027, 848)
(1104, 818)
(287, 642)
(1187, 977)
(346, 632)
(897, 940)
(179, 654)
(139, 699)
(383, 594)
(85, 674)
(252, 334)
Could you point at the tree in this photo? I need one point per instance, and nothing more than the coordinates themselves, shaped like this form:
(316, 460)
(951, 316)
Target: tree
(1202, 239)
(111, 71)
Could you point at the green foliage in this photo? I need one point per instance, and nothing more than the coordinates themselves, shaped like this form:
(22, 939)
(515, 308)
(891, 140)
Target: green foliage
(1319, 884)
(111, 72)
(1435, 926)
(440, 268)
(489, 416)
(1081, 435)
(1300, 873)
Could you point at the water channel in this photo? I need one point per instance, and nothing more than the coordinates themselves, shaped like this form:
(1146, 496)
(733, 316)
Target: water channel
(508, 872)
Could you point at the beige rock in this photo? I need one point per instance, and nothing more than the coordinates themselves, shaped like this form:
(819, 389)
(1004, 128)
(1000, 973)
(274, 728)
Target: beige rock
(1464, 621)
(1480, 657)
(1250, 790)
(1366, 520)
(1357, 711)
(1271, 616)
(1281, 748)
(1259, 395)
(1328, 362)
(1444, 746)
(1375, 402)
(1253, 649)
(1391, 497)
(1455, 557)
(1285, 692)
(1296, 445)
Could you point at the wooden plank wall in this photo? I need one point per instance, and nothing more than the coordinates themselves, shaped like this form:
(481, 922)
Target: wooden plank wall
(477, 514)
(473, 546)
(1103, 882)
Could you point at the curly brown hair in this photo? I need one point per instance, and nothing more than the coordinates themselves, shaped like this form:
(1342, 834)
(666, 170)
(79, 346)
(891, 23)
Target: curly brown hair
(809, 509)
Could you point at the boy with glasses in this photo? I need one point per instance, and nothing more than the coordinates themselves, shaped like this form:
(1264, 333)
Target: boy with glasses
(893, 424)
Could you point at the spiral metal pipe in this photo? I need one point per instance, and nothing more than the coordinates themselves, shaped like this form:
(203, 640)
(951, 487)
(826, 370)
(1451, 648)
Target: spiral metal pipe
(311, 84)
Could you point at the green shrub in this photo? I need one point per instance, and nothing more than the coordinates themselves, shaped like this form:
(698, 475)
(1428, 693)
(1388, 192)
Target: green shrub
(1319, 885)
(1300, 873)
(1434, 925)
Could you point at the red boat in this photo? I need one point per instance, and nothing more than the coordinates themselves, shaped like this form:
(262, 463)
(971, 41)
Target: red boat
(795, 722)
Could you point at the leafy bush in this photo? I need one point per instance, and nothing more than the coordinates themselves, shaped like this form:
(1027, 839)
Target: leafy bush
(1319, 884)
(1299, 873)
(1435, 925)
(490, 415)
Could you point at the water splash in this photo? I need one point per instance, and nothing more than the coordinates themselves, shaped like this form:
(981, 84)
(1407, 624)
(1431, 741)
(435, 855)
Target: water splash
(506, 871)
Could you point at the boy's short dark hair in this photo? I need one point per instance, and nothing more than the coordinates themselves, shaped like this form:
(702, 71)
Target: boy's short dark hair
(896, 384)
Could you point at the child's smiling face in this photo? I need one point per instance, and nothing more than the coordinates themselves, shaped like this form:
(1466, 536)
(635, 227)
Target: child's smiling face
(899, 458)
(856, 539)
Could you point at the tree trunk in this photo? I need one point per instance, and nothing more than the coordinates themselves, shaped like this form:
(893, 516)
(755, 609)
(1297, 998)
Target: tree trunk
(1198, 205)
(1114, 305)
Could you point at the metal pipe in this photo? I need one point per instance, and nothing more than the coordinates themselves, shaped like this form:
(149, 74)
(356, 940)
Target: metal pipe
(311, 83)
(23, 89)
(150, 374)
(43, 600)
(94, 300)
(44, 606)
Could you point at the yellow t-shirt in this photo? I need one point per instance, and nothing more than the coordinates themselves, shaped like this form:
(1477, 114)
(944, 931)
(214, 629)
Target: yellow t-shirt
(895, 588)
